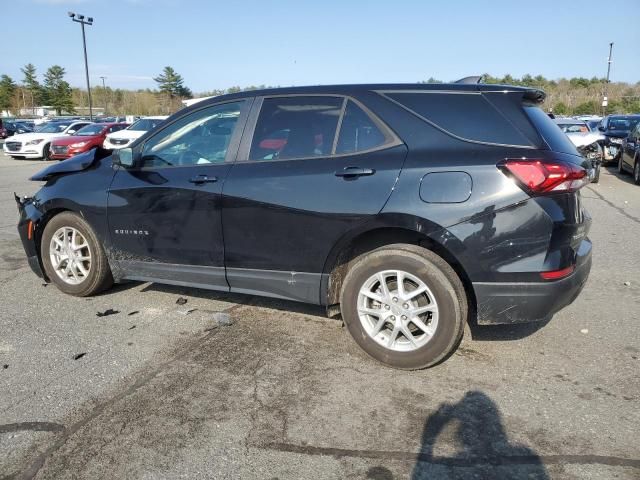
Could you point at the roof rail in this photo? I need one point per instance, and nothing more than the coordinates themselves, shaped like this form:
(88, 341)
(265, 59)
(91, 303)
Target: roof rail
(473, 79)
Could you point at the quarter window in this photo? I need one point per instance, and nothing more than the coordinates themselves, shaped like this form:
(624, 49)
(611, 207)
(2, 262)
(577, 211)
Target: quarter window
(296, 127)
(200, 138)
(358, 132)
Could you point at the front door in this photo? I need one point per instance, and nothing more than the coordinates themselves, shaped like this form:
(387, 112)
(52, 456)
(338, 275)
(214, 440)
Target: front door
(165, 214)
(315, 168)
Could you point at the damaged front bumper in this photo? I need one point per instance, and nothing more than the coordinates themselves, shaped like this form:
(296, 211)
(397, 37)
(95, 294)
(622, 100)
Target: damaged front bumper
(28, 229)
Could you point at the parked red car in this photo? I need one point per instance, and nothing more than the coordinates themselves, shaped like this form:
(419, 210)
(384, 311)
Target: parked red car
(91, 136)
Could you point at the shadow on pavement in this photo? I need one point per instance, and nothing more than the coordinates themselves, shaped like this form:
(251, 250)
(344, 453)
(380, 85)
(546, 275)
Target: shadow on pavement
(240, 299)
(473, 444)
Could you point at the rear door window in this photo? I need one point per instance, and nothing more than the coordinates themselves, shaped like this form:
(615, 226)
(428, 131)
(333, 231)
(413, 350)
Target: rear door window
(358, 131)
(296, 127)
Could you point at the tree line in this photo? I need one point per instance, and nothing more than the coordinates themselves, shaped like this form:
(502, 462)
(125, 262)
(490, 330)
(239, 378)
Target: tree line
(565, 96)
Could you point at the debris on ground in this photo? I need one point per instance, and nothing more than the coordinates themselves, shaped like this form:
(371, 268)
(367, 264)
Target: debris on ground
(187, 312)
(181, 301)
(5, 366)
(109, 311)
(45, 284)
(627, 284)
(131, 327)
(222, 319)
(78, 356)
(133, 313)
(584, 330)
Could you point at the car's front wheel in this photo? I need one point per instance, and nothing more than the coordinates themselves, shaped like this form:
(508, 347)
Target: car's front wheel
(404, 305)
(636, 171)
(46, 152)
(73, 258)
(620, 165)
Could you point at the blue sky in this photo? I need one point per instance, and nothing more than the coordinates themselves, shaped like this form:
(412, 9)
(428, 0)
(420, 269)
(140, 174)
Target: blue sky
(216, 44)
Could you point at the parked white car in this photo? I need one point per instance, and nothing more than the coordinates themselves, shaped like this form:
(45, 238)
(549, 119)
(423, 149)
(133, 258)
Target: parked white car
(36, 144)
(123, 138)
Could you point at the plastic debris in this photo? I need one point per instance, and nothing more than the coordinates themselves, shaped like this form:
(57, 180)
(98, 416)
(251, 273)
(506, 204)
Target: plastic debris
(134, 312)
(181, 301)
(107, 312)
(223, 319)
(78, 356)
(627, 284)
(584, 330)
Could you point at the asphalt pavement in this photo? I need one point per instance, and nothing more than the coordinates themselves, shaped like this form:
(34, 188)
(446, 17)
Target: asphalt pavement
(231, 386)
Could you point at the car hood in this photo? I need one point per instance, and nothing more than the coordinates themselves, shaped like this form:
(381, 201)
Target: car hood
(76, 163)
(130, 134)
(582, 139)
(26, 137)
(68, 140)
(617, 134)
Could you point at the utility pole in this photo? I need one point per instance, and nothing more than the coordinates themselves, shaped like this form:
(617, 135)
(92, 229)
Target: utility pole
(605, 100)
(89, 21)
(104, 91)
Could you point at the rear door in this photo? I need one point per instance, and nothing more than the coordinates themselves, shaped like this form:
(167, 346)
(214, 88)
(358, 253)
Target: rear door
(310, 169)
(165, 214)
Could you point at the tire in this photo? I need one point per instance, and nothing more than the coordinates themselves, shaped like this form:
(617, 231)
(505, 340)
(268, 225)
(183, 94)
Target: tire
(98, 274)
(596, 177)
(636, 171)
(46, 152)
(620, 167)
(442, 284)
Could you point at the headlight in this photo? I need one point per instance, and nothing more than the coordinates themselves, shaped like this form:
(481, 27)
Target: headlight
(35, 142)
(78, 145)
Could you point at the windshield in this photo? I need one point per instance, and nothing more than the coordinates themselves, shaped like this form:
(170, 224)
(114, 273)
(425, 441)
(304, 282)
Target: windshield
(89, 130)
(574, 127)
(622, 124)
(145, 124)
(52, 127)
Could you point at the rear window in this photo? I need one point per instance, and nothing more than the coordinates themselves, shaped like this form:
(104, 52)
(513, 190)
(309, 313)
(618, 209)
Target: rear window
(358, 131)
(466, 115)
(555, 138)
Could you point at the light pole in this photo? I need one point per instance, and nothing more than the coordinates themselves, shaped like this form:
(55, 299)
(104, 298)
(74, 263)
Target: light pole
(104, 91)
(605, 100)
(76, 17)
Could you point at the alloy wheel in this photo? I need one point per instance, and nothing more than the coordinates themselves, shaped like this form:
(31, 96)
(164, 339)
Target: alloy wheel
(70, 255)
(398, 310)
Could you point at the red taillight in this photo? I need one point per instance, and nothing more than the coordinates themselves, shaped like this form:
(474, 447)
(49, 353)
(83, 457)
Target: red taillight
(557, 274)
(540, 176)
(30, 230)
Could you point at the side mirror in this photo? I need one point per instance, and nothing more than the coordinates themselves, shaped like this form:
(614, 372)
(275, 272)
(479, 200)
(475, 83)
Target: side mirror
(601, 128)
(123, 157)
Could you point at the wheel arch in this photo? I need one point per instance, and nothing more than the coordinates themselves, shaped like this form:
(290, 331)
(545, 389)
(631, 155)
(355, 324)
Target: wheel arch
(364, 241)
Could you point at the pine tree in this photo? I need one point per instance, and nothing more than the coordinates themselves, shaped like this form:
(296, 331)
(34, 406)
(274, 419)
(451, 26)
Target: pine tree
(31, 85)
(7, 90)
(172, 84)
(57, 90)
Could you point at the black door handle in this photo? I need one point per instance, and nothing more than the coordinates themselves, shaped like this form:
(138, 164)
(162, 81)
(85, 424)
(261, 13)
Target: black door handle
(200, 179)
(350, 172)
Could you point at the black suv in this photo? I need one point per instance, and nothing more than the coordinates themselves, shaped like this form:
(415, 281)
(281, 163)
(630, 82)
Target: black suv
(406, 209)
(615, 129)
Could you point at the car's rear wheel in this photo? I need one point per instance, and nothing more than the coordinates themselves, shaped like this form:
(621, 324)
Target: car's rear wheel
(404, 305)
(73, 258)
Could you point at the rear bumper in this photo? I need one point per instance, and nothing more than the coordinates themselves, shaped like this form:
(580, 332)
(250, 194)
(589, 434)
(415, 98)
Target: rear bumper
(504, 303)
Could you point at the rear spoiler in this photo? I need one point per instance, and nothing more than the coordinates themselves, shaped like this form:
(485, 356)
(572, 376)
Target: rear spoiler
(532, 95)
